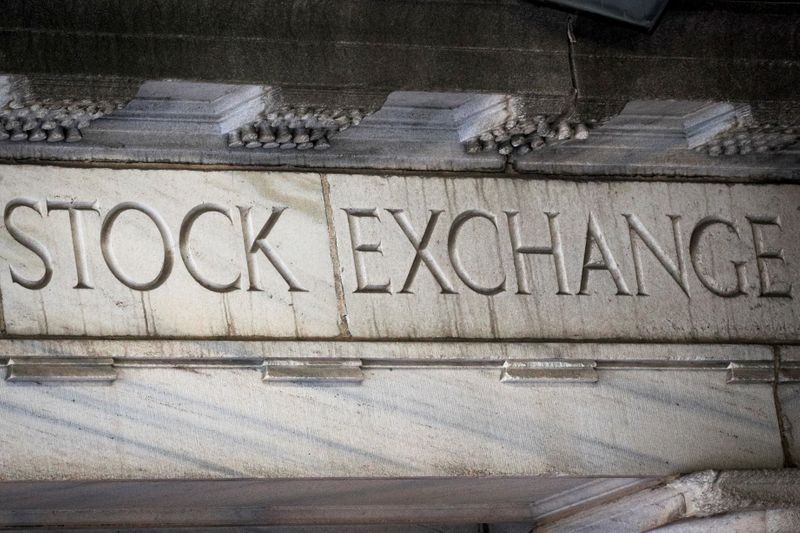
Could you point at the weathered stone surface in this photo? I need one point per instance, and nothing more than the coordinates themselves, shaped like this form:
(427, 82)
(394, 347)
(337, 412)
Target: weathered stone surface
(453, 352)
(468, 282)
(788, 399)
(187, 114)
(634, 260)
(226, 423)
(654, 137)
(252, 502)
(146, 296)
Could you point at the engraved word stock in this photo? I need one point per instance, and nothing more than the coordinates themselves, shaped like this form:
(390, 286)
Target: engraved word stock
(254, 243)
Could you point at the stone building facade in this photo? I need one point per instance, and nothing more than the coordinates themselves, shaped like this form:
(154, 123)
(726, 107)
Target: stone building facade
(399, 266)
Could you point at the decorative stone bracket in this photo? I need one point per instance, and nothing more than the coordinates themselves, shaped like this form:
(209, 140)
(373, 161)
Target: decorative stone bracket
(61, 369)
(314, 371)
(552, 371)
(188, 122)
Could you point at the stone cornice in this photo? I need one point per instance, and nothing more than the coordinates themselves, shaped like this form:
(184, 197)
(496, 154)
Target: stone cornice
(222, 124)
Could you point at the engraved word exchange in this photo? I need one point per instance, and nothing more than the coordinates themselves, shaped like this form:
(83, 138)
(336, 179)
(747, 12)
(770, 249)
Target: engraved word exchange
(680, 256)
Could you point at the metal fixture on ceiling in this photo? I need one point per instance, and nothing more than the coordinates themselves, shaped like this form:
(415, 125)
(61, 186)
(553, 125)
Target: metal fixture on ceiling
(642, 13)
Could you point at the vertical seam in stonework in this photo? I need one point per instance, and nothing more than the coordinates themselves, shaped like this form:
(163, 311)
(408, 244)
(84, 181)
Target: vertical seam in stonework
(333, 245)
(788, 460)
(2, 316)
(572, 100)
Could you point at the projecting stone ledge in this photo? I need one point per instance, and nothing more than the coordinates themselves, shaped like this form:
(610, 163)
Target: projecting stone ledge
(203, 123)
(668, 138)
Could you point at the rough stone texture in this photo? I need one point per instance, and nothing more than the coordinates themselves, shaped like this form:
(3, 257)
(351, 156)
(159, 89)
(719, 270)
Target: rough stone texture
(771, 521)
(759, 501)
(179, 306)
(788, 398)
(188, 122)
(643, 511)
(721, 50)
(712, 493)
(653, 137)
(172, 113)
(199, 123)
(387, 353)
(226, 423)
(427, 308)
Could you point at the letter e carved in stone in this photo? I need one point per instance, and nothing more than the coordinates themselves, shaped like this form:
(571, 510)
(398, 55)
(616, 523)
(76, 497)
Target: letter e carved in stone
(763, 254)
(359, 248)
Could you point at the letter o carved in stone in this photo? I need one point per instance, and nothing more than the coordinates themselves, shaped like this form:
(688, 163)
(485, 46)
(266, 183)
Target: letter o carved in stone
(108, 250)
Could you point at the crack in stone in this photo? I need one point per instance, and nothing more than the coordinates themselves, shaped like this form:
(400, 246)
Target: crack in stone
(344, 326)
(788, 459)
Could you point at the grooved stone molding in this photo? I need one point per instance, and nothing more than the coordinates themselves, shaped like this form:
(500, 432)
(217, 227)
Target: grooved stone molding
(189, 423)
(155, 253)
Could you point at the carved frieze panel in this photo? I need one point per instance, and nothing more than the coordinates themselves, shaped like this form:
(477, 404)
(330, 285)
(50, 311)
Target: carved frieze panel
(165, 253)
(556, 259)
(157, 253)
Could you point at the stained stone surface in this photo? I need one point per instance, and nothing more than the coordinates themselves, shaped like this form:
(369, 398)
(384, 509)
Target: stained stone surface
(479, 291)
(788, 398)
(179, 305)
(376, 502)
(385, 353)
(632, 260)
(225, 423)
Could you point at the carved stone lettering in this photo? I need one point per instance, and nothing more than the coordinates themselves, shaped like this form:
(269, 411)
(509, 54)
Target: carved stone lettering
(639, 232)
(28, 242)
(555, 249)
(111, 259)
(254, 244)
(353, 221)
(708, 281)
(687, 247)
(455, 258)
(422, 254)
(596, 238)
(186, 254)
(763, 254)
(75, 210)
(122, 252)
(609, 260)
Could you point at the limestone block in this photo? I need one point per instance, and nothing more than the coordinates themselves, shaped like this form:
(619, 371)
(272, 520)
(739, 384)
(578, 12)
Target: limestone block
(788, 398)
(121, 266)
(155, 423)
(237, 503)
(435, 257)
